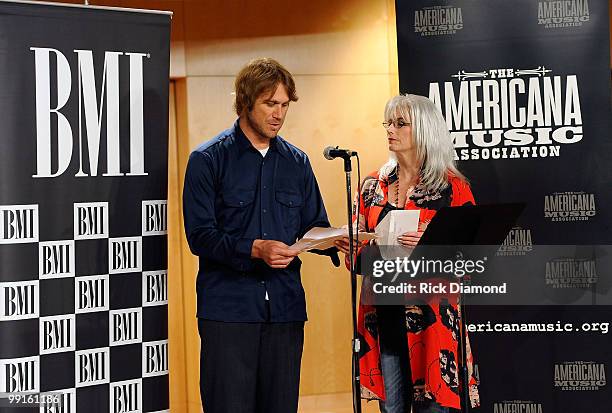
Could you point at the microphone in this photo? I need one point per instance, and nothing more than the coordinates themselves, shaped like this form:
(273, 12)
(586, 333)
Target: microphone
(333, 152)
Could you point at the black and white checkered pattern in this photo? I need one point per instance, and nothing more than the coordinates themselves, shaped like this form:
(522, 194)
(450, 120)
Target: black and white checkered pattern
(83, 306)
(83, 241)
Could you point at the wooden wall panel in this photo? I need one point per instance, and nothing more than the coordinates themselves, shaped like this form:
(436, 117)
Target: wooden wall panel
(183, 332)
(176, 310)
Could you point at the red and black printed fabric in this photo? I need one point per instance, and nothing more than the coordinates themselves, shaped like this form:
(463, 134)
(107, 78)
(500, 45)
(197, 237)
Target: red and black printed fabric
(432, 326)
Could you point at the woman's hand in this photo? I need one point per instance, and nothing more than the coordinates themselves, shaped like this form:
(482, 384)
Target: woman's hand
(411, 239)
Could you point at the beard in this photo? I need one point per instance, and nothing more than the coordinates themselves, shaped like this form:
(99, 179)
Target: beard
(259, 128)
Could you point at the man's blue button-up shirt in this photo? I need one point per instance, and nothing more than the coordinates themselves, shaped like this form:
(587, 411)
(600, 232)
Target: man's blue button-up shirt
(234, 195)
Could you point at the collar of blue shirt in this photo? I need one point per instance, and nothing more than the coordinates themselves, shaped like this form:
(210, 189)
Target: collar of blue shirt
(277, 143)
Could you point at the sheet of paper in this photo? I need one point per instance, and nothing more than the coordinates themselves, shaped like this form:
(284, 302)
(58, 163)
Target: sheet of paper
(396, 223)
(323, 238)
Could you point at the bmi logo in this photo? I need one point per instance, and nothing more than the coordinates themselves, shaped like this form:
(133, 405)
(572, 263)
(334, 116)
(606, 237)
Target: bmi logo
(57, 334)
(154, 358)
(580, 375)
(56, 259)
(516, 406)
(125, 326)
(90, 220)
(569, 206)
(124, 255)
(53, 81)
(59, 401)
(518, 242)
(438, 20)
(20, 375)
(126, 396)
(154, 288)
(91, 293)
(567, 13)
(18, 224)
(19, 300)
(571, 273)
(154, 217)
(92, 367)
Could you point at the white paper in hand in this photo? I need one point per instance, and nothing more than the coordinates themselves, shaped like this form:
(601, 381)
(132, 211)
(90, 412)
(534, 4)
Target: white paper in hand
(396, 223)
(323, 238)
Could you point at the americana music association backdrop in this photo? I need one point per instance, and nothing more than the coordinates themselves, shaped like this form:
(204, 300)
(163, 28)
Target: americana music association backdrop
(524, 86)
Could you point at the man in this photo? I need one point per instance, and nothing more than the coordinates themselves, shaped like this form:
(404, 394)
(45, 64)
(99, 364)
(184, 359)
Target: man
(248, 195)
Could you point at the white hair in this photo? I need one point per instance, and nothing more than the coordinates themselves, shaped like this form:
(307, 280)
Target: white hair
(434, 146)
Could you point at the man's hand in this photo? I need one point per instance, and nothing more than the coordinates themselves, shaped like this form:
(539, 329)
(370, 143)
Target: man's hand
(343, 245)
(274, 253)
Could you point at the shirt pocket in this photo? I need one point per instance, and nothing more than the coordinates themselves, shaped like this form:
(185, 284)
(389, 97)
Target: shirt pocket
(237, 206)
(290, 204)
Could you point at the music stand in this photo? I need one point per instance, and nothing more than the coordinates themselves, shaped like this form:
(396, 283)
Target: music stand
(486, 225)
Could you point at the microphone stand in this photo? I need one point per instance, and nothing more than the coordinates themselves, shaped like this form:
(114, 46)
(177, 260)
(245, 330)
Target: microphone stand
(355, 342)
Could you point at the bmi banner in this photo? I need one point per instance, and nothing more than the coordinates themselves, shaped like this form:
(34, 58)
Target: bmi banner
(83, 209)
(524, 86)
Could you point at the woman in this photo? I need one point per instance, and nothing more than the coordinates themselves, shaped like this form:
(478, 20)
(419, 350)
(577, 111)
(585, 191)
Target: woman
(410, 354)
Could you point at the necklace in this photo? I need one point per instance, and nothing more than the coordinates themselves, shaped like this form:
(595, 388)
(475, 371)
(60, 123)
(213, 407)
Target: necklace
(397, 199)
(397, 189)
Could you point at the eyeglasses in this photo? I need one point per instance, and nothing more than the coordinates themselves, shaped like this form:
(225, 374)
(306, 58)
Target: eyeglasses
(397, 123)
